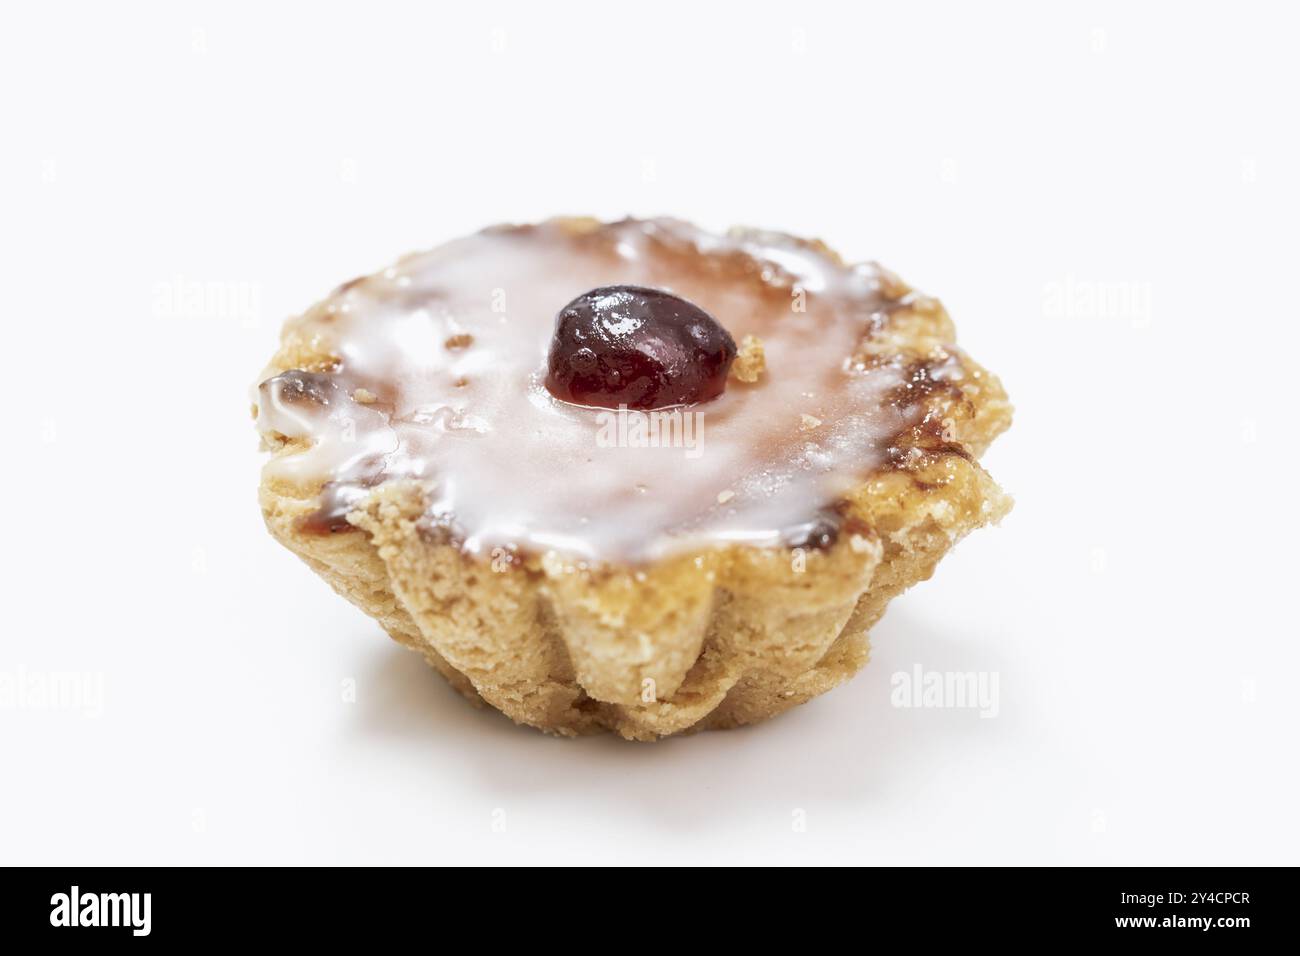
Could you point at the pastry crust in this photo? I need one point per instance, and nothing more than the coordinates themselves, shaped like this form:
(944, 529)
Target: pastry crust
(710, 639)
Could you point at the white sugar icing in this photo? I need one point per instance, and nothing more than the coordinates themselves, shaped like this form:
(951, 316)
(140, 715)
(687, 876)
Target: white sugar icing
(439, 379)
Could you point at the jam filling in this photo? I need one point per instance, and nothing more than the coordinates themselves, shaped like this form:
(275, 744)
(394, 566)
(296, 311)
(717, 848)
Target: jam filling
(563, 387)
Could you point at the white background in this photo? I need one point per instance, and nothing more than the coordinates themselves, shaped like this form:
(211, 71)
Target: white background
(1105, 197)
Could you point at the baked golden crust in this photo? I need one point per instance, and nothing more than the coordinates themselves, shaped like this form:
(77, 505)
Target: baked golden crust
(709, 639)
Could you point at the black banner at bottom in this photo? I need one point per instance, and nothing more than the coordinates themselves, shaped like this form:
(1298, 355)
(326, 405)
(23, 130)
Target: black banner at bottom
(336, 906)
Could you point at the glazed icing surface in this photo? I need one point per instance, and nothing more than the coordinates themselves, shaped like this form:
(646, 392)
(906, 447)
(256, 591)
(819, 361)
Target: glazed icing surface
(439, 379)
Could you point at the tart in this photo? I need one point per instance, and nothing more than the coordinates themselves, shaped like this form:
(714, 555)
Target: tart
(628, 476)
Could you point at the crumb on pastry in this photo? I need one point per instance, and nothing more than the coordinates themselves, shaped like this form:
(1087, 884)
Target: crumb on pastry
(750, 361)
